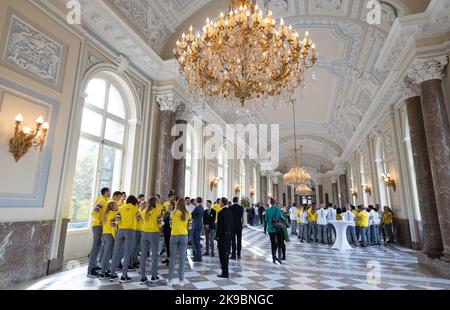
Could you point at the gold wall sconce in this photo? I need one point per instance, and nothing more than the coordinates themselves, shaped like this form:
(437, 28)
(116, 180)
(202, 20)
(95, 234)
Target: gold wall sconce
(367, 189)
(24, 138)
(354, 192)
(389, 181)
(237, 188)
(213, 183)
(252, 193)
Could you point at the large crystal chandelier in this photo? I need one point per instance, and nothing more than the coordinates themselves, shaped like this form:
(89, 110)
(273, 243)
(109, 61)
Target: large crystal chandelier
(304, 190)
(297, 175)
(243, 55)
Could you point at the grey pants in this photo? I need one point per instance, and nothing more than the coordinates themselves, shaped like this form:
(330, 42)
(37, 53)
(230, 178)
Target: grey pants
(149, 242)
(108, 245)
(178, 244)
(351, 235)
(209, 243)
(96, 244)
(363, 233)
(313, 227)
(305, 229)
(125, 238)
(294, 227)
(137, 246)
(330, 232)
(322, 233)
(389, 232)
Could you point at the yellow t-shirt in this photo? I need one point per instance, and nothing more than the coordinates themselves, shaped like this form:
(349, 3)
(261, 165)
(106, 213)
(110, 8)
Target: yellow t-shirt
(298, 212)
(216, 207)
(179, 227)
(99, 210)
(139, 221)
(312, 217)
(151, 225)
(387, 218)
(363, 219)
(127, 216)
(109, 226)
(338, 217)
(356, 217)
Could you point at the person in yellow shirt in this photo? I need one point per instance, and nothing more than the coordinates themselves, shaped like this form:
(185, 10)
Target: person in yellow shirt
(126, 219)
(356, 222)
(312, 219)
(137, 236)
(298, 214)
(363, 221)
(388, 216)
(216, 207)
(151, 219)
(109, 233)
(180, 222)
(97, 215)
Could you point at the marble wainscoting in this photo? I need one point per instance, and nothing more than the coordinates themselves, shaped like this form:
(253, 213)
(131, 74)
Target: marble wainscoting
(55, 265)
(24, 249)
(402, 233)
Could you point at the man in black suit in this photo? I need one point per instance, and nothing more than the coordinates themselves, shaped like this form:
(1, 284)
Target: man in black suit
(236, 237)
(223, 236)
(209, 218)
(197, 225)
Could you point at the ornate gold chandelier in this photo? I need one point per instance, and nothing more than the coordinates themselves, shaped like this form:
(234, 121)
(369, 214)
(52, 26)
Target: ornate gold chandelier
(243, 56)
(304, 190)
(297, 176)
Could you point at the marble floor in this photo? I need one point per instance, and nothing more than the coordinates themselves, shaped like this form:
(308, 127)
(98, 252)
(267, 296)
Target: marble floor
(308, 267)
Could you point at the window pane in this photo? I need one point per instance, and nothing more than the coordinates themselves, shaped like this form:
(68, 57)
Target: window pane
(91, 123)
(96, 91)
(83, 184)
(114, 131)
(110, 168)
(187, 183)
(115, 103)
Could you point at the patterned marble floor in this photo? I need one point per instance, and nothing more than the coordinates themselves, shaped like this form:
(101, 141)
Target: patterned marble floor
(308, 267)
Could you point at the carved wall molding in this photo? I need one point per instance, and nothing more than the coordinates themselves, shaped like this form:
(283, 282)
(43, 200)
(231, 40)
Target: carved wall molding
(428, 69)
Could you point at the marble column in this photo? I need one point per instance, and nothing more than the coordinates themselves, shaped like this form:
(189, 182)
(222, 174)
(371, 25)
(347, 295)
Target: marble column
(334, 188)
(183, 116)
(428, 75)
(424, 180)
(168, 105)
(263, 186)
(344, 190)
(321, 194)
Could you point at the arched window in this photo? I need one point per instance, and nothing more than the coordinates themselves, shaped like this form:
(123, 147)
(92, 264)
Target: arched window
(363, 179)
(255, 185)
(102, 146)
(191, 164)
(411, 169)
(381, 169)
(352, 181)
(222, 168)
(242, 178)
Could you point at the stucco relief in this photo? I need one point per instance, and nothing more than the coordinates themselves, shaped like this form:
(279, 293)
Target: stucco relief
(33, 52)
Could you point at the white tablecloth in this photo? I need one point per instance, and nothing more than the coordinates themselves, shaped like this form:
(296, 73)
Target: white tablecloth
(341, 242)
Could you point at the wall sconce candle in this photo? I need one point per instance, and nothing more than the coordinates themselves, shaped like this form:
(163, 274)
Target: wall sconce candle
(214, 183)
(354, 192)
(237, 188)
(367, 189)
(24, 138)
(252, 193)
(390, 182)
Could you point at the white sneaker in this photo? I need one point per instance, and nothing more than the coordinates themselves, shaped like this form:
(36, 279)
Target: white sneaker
(182, 283)
(169, 283)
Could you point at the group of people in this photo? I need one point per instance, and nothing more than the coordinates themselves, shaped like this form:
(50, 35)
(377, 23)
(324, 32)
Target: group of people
(129, 230)
(368, 224)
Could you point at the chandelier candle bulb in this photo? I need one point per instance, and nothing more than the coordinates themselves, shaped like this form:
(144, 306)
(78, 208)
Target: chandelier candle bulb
(39, 120)
(26, 130)
(19, 118)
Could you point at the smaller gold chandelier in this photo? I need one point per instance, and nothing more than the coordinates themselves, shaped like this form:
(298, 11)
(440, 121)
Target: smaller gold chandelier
(24, 138)
(304, 190)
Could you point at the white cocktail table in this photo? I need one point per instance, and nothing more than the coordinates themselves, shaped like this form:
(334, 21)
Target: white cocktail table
(341, 242)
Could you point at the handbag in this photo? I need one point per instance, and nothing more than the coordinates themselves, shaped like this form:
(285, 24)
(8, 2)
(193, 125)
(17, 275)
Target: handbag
(277, 223)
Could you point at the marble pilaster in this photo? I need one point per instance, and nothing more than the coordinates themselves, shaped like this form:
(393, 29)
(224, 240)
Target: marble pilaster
(424, 179)
(321, 194)
(344, 190)
(428, 75)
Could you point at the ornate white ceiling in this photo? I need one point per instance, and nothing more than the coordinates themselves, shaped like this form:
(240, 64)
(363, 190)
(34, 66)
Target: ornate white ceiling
(329, 109)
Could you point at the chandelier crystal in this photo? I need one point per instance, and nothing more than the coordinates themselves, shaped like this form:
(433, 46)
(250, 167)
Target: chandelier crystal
(244, 55)
(297, 176)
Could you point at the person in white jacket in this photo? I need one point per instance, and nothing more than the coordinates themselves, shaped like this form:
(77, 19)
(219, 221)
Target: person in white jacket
(322, 224)
(348, 216)
(331, 216)
(292, 211)
(305, 225)
(374, 221)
